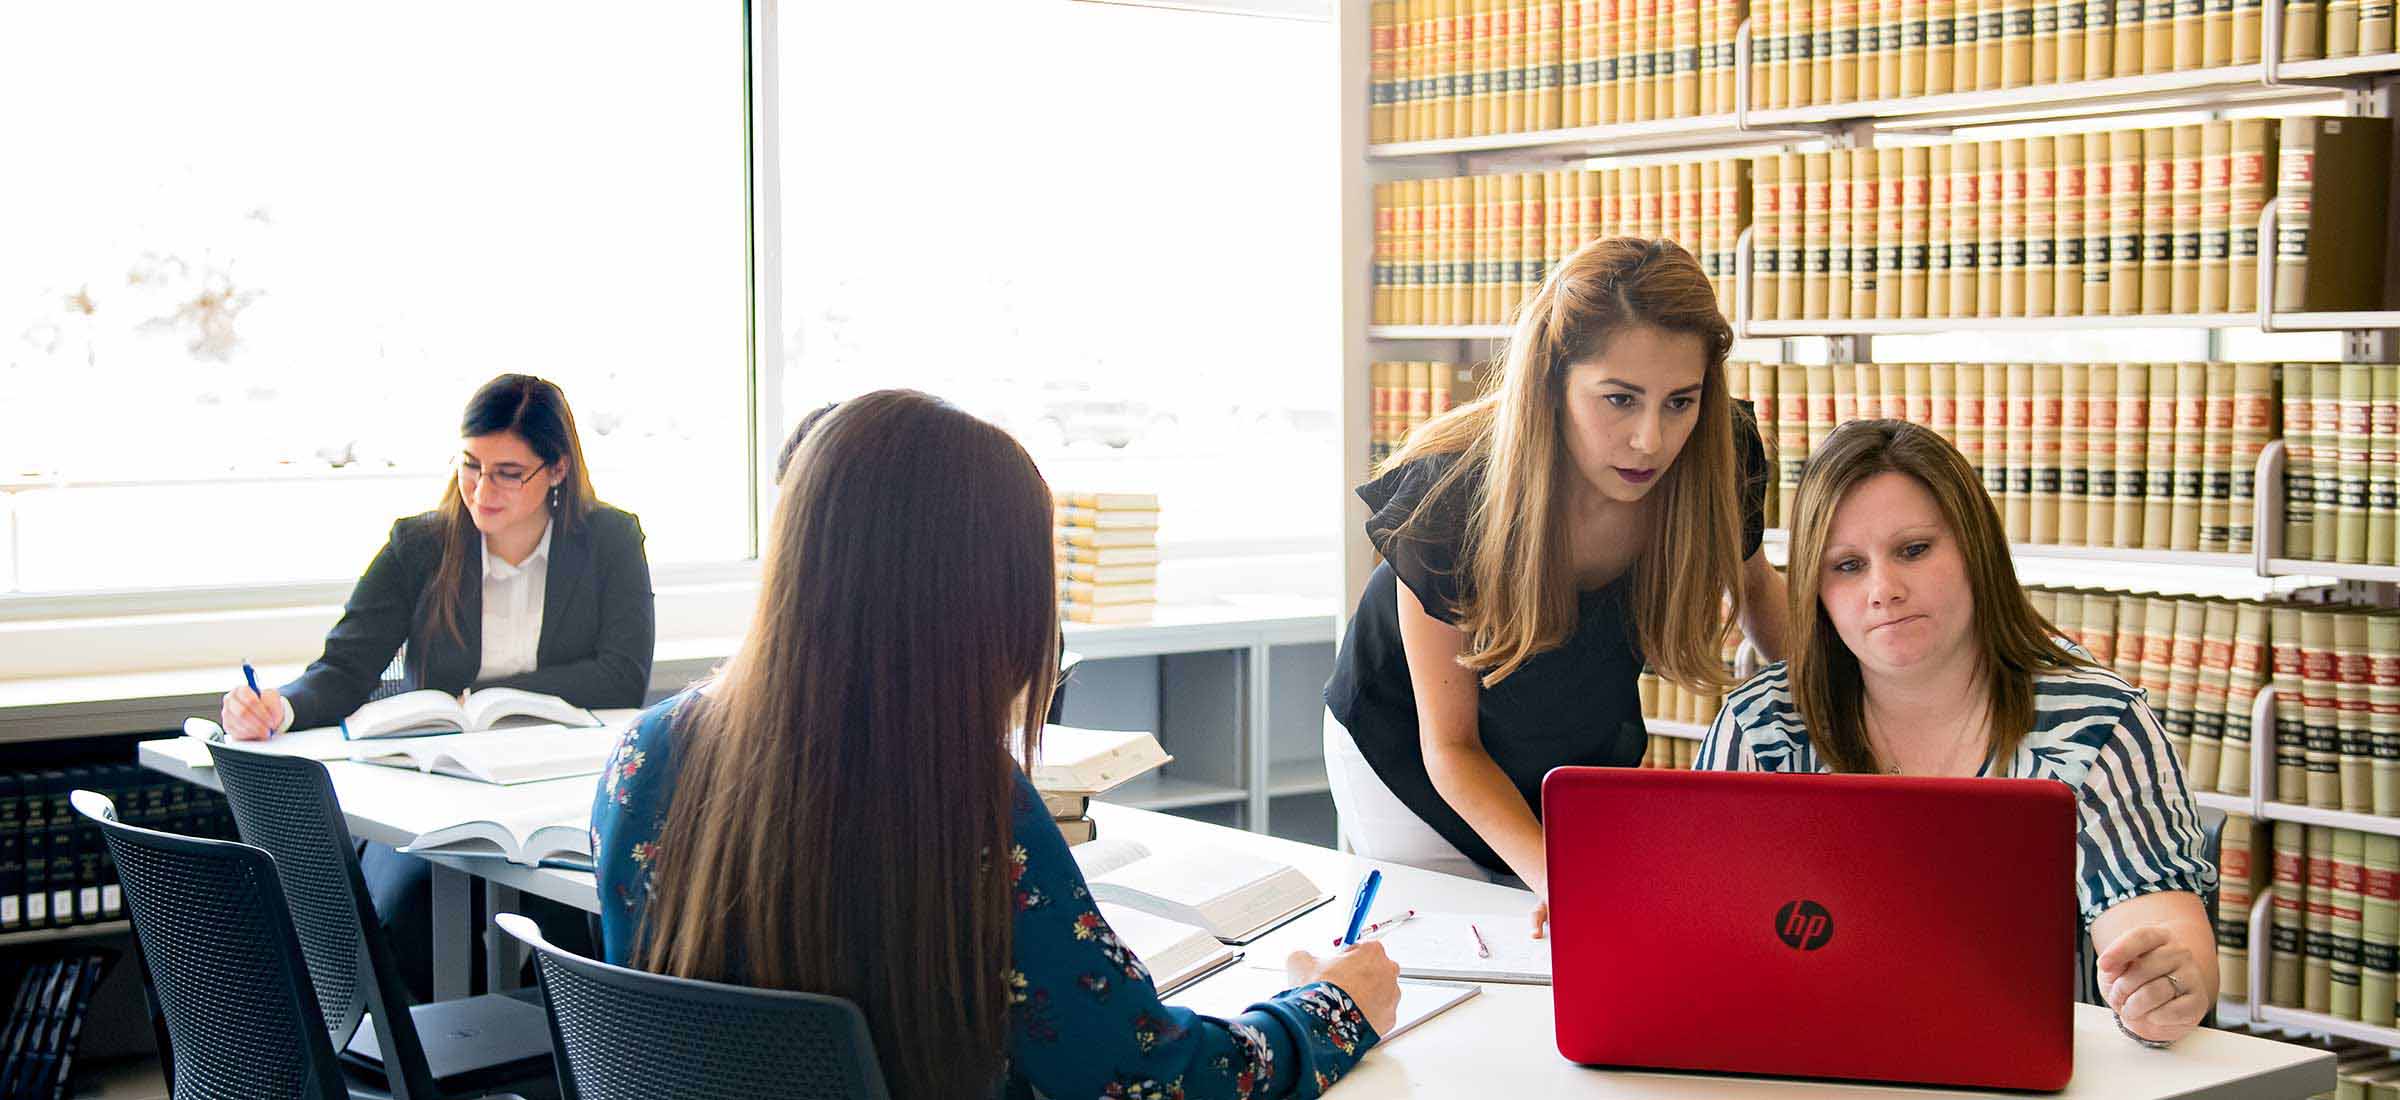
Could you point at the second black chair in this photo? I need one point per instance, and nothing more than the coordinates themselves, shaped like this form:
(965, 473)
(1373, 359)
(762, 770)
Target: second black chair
(286, 805)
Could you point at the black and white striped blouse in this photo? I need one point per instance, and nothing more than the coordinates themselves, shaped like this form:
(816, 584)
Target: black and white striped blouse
(2140, 831)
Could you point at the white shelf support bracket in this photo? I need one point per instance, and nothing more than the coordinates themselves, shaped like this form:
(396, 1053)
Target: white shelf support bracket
(1741, 283)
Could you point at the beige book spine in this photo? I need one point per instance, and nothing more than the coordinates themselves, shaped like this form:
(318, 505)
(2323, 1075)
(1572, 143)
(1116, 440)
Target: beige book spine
(1965, 228)
(2374, 27)
(1991, 32)
(2191, 35)
(1866, 273)
(1649, 206)
(2099, 38)
(2383, 710)
(2383, 467)
(1990, 216)
(2249, 675)
(2299, 415)
(2190, 442)
(2158, 461)
(2325, 381)
(2216, 187)
(1878, 49)
(2320, 709)
(1790, 186)
(1557, 200)
(1941, 46)
(2354, 719)
(2316, 964)
(2291, 723)
(1385, 308)
(2100, 627)
(2096, 226)
(2100, 487)
(2248, 28)
(2072, 21)
(1843, 377)
(1382, 68)
(1916, 392)
(2045, 40)
(1966, 53)
(1996, 433)
(1534, 239)
(2253, 426)
(2216, 460)
(1820, 56)
(2235, 895)
(1969, 424)
(2016, 43)
(1486, 19)
(1797, 48)
(1419, 393)
(1688, 190)
(2041, 225)
(2214, 680)
(2158, 220)
(1840, 228)
(2341, 28)
(2216, 33)
(2379, 927)
(2016, 503)
(1489, 306)
(2287, 914)
(2126, 59)
(2158, 670)
(2125, 204)
(1766, 48)
(2043, 458)
(1519, 54)
(1684, 20)
(1815, 208)
(1937, 230)
(1571, 47)
(2158, 36)
(1890, 211)
(2184, 217)
(2074, 453)
(1454, 104)
(2183, 680)
(2353, 412)
(2252, 176)
(1913, 220)
(2295, 165)
(1411, 294)
(1846, 44)
(1792, 438)
(2349, 858)
(1447, 236)
(1711, 225)
(2066, 229)
(2133, 444)
(1941, 405)
(1764, 401)
(1902, 70)
(2012, 227)
(1600, 56)
(2132, 629)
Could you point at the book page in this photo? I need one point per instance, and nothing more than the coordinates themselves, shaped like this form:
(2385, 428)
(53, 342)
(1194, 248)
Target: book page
(1090, 761)
(1102, 856)
(1234, 892)
(490, 708)
(522, 755)
(408, 712)
(1174, 951)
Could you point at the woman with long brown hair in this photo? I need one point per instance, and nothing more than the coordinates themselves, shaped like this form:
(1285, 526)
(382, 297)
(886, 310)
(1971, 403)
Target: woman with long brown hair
(846, 809)
(1588, 516)
(520, 578)
(1914, 652)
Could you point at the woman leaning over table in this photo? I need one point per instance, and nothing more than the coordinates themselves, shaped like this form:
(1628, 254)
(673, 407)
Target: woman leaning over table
(842, 812)
(1588, 516)
(1914, 652)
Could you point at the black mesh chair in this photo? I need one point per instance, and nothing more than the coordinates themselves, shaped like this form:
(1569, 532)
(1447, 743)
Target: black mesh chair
(631, 1035)
(225, 966)
(286, 805)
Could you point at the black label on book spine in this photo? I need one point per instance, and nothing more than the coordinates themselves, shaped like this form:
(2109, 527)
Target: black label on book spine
(2284, 938)
(2381, 958)
(2103, 484)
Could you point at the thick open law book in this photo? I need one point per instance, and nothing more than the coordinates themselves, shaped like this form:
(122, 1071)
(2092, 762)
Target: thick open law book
(1236, 897)
(1087, 762)
(420, 712)
(500, 756)
(1177, 954)
(524, 834)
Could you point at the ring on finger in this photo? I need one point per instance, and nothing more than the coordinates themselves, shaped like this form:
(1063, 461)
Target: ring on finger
(2178, 987)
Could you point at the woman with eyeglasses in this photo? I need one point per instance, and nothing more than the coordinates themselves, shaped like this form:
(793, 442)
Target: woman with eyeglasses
(520, 578)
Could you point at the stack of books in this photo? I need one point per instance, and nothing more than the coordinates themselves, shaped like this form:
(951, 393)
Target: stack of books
(1107, 556)
(2334, 922)
(1074, 765)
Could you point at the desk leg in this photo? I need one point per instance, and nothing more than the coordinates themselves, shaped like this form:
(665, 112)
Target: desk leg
(451, 916)
(503, 956)
(1257, 683)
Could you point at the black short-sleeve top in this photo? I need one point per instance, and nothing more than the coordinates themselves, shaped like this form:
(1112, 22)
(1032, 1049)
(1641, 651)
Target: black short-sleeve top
(1577, 704)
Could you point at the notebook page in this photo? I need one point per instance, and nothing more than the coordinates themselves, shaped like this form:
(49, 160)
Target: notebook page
(1228, 994)
(1442, 945)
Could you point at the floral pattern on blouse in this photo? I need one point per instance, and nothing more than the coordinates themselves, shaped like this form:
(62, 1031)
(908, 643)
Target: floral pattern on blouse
(1085, 1015)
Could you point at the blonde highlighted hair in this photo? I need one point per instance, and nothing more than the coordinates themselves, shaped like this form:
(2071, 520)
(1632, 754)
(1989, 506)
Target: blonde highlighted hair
(2017, 642)
(1520, 581)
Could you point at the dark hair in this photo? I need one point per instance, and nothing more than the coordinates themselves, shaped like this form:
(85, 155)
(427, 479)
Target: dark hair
(791, 443)
(906, 627)
(535, 411)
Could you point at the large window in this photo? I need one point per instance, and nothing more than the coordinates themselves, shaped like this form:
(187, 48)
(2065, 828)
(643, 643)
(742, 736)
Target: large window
(256, 256)
(1111, 229)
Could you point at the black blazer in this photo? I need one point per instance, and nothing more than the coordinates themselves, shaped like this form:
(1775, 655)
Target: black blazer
(599, 623)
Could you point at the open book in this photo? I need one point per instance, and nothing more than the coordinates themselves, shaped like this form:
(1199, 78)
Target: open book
(499, 756)
(1087, 762)
(420, 712)
(1176, 953)
(525, 835)
(1236, 897)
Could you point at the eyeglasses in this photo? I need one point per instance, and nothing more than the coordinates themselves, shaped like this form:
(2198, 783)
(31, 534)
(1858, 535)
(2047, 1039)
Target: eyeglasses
(507, 477)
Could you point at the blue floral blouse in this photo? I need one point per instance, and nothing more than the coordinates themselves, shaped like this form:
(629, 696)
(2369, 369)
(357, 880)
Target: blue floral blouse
(1087, 1021)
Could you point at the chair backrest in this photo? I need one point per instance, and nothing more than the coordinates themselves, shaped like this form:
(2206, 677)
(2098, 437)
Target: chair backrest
(241, 1016)
(625, 1034)
(286, 805)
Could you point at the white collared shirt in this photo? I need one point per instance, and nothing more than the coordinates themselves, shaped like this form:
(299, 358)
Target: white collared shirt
(512, 611)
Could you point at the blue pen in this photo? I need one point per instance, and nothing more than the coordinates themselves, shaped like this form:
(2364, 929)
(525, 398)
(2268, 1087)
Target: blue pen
(251, 675)
(1359, 907)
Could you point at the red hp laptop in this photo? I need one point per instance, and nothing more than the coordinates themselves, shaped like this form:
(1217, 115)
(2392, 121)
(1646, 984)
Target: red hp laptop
(1867, 927)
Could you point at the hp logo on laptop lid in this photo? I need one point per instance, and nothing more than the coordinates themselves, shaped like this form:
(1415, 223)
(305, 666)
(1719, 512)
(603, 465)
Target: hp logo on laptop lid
(1803, 925)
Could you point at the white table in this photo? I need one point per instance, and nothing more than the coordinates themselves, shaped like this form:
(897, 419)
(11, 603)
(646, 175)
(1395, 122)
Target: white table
(1500, 1043)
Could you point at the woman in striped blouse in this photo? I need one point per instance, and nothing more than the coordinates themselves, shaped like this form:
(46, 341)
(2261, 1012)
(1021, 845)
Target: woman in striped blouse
(1914, 652)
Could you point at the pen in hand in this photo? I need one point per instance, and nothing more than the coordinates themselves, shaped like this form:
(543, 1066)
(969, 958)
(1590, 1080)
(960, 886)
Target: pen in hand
(1381, 926)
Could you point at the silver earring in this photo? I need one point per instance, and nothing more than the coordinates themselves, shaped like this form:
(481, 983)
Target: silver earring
(554, 498)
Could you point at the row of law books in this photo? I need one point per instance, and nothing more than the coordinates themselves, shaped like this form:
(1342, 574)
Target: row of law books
(1107, 556)
(54, 866)
(2333, 917)
(2158, 456)
(2337, 708)
(1406, 394)
(44, 1026)
(2341, 440)
(2200, 663)
(2161, 220)
(1461, 68)
(1468, 249)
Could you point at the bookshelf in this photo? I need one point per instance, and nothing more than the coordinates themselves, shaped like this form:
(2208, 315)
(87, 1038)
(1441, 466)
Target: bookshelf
(2355, 86)
(31, 936)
